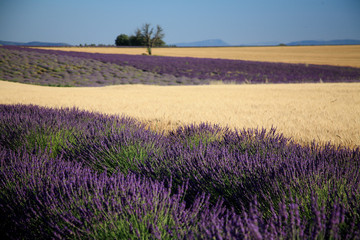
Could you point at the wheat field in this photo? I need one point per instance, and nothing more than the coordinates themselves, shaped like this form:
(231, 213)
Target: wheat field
(327, 55)
(305, 112)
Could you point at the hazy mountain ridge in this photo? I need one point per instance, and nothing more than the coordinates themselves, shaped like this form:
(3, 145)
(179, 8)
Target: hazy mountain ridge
(34, 43)
(330, 42)
(221, 43)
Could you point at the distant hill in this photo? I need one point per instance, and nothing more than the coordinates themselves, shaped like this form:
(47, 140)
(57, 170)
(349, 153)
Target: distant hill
(331, 42)
(221, 43)
(204, 43)
(34, 44)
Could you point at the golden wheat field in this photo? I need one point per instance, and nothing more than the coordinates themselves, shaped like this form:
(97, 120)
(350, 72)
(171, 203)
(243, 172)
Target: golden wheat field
(328, 55)
(305, 112)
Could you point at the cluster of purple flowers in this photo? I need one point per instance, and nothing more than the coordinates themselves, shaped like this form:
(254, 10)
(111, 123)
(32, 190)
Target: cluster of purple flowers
(201, 70)
(73, 174)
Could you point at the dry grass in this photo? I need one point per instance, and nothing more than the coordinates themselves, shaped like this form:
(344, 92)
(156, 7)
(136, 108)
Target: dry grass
(328, 55)
(303, 111)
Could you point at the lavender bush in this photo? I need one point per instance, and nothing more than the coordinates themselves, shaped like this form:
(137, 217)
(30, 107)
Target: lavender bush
(73, 174)
(43, 197)
(185, 70)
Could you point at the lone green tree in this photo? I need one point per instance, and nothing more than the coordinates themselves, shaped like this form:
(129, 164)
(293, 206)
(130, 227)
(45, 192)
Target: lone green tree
(145, 36)
(151, 37)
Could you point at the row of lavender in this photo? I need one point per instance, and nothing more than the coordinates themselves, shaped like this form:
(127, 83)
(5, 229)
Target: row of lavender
(221, 69)
(67, 71)
(74, 174)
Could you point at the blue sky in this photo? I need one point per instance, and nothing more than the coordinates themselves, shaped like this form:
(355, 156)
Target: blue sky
(234, 21)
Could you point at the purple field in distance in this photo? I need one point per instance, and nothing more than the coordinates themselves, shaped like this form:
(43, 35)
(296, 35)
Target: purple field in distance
(74, 174)
(202, 70)
(32, 67)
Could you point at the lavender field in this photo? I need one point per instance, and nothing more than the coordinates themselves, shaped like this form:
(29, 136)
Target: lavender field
(61, 68)
(71, 174)
(31, 67)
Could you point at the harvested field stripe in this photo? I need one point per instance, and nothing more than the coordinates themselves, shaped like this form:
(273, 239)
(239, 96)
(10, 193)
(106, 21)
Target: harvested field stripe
(324, 112)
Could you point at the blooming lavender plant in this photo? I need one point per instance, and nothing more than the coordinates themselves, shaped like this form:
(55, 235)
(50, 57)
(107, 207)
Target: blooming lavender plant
(73, 174)
(41, 197)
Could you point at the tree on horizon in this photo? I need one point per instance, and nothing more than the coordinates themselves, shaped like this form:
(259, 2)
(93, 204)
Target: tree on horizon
(144, 36)
(150, 37)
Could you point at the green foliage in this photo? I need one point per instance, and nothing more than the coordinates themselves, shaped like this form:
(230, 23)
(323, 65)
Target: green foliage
(122, 40)
(205, 138)
(49, 140)
(137, 39)
(120, 158)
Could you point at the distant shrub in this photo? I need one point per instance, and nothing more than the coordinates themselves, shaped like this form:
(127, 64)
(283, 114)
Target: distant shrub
(122, 40)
